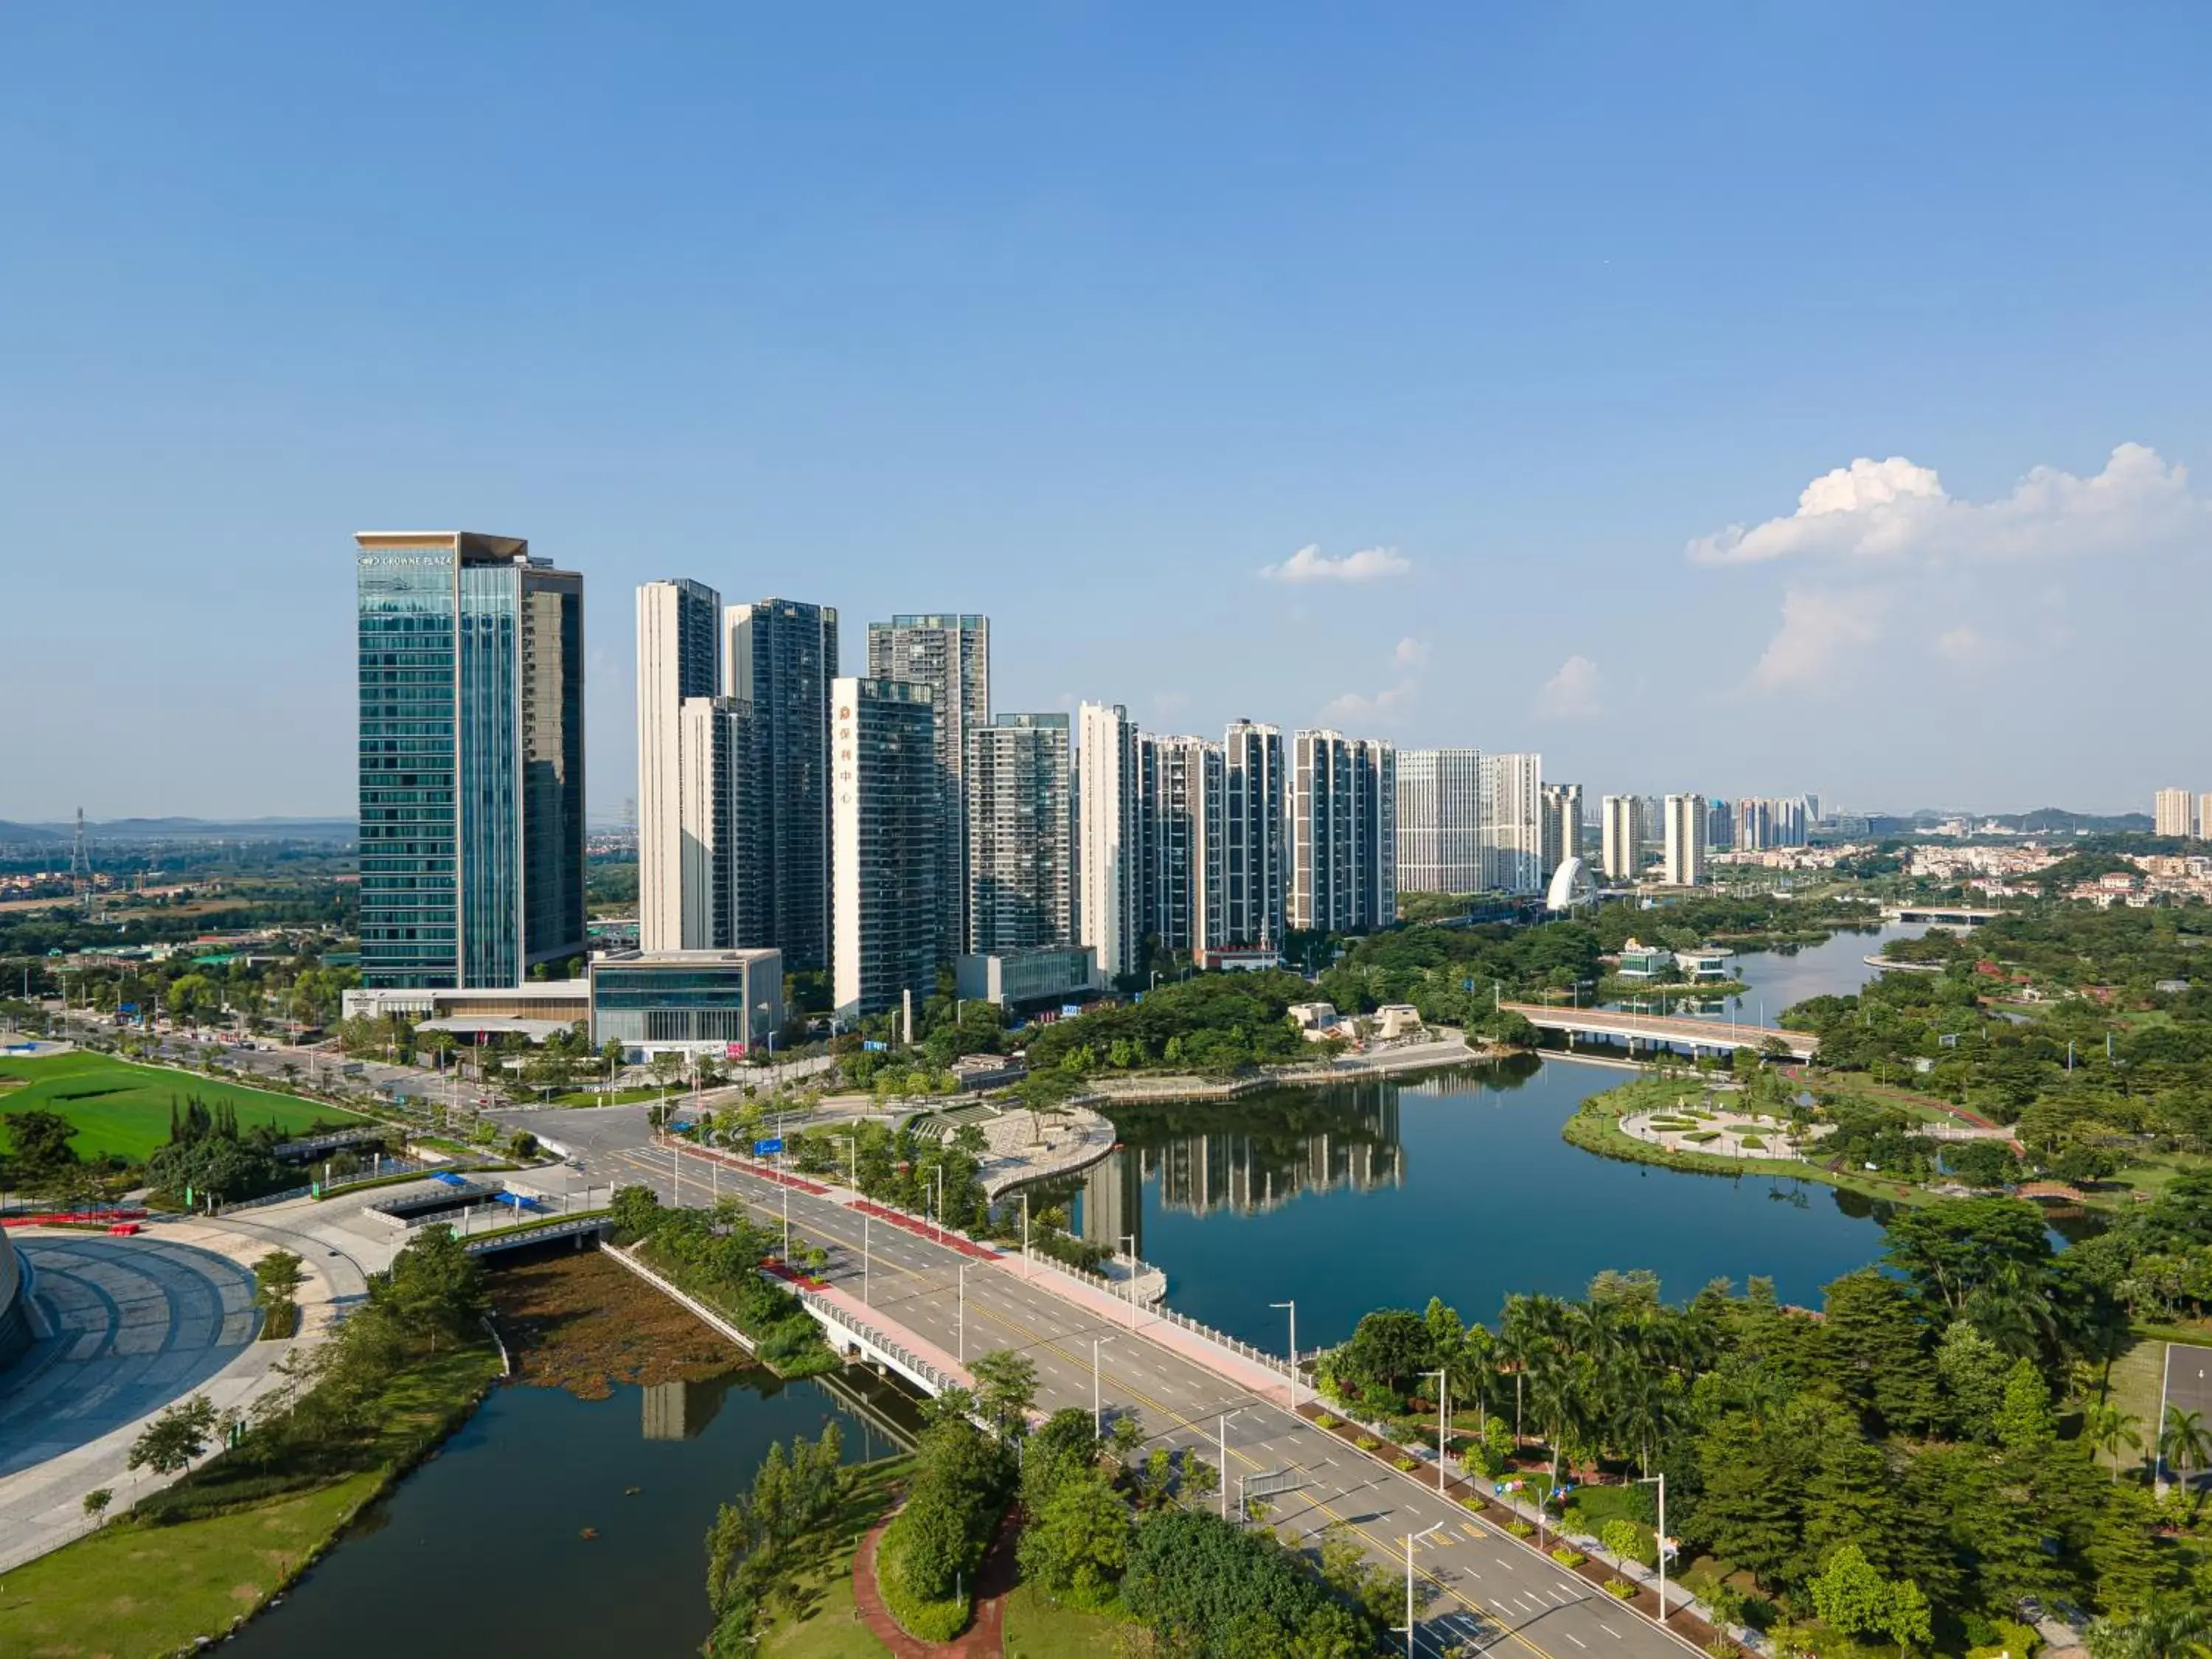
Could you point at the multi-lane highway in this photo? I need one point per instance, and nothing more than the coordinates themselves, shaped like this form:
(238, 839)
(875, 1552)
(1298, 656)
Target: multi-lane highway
(1488, 1591)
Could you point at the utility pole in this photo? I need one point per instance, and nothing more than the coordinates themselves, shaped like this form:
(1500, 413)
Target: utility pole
(1226, 1416)
(1130, 1239)
(1097, 1400)
(1293, 1307)
(1660, 1538)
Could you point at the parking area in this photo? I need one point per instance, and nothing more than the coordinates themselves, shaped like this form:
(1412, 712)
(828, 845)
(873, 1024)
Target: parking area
(2188, 1386)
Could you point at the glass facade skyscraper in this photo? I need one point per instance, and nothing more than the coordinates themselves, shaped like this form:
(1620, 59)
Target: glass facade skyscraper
(782, 656)
(470, 759)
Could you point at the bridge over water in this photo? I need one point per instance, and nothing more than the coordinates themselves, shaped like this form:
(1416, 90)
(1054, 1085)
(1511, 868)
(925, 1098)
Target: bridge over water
(1674, 1030)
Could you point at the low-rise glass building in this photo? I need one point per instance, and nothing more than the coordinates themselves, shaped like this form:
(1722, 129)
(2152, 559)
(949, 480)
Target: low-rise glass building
(722, 1002)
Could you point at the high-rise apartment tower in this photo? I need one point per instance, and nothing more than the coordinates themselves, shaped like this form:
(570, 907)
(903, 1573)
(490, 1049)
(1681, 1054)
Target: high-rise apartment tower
(679, 627)
(1021, 863)
(952, 654)
(886, 814)
(782, 660)
(1439, 813)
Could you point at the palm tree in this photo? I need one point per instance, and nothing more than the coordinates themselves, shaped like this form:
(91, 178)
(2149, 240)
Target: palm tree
(2110, 1428)
(2164, 1630)
(2183, 1441)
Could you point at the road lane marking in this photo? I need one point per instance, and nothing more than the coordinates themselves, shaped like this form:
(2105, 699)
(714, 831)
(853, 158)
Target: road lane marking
(927, 1285)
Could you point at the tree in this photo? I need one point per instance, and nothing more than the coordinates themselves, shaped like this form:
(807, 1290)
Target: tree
(1077, 1544)
(2023, 1421)
(433, 1286)
(43, 1160)
(277, 1277)
(2183, 1441)
(1876, 1343)
(96, 1502)
(1005, 1390)
(1852, 1599)
(2164, 1630)
(176, 1438)
(2109, 1428)
(1950, 1249)
(636, 1212)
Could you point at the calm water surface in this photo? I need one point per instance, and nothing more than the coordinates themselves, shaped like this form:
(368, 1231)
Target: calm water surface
(1457, 1185)
(480, 1551)
(1346, 1199)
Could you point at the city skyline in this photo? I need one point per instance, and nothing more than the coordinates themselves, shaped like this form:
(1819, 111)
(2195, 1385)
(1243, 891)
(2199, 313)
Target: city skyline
(1522, 406)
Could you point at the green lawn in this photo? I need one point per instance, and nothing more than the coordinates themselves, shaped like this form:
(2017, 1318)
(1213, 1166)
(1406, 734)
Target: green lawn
(828, 1628)
(137, 1587)
(1038, 1627)
(123, 1109)
(2136, 1379)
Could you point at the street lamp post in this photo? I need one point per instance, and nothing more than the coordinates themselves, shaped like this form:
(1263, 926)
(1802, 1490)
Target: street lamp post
(963, 1328)
(1293, 1307)
(1026, 1236)
(864, 1258)
(1130, 1239)
(1097, 1400)
(1443, 1416)
(1226, 1416)
(1660, 1537)
(852, 1156)
(1412, 1538)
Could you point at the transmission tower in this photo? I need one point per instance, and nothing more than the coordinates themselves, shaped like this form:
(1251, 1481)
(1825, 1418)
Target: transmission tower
(80, 867)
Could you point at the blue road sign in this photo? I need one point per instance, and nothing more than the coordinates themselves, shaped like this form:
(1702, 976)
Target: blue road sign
(772, 1143)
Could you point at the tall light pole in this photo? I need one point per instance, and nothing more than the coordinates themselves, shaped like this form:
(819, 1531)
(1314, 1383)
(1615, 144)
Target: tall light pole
(864, 1258)
(1097, 1400)
(1026, 1236)
(1443, 1416)
(1293, 1307)
(853, 1154)
(1226, 1416)
(1412, 1538)
(1130, 1239)
(963, 1354)
(1659, 1538)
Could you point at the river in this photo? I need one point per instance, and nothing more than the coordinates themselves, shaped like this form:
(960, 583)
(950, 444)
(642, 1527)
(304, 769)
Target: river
(1457, 1185)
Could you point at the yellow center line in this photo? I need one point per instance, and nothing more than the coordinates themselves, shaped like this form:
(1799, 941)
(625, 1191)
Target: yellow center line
(1052, 1344)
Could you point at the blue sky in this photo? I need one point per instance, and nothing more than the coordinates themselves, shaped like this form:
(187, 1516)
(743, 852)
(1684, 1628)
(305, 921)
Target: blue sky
(1086, 316)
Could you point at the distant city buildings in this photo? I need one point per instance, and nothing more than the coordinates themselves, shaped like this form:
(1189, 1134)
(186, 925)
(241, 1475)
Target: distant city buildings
(1512, 802)
(1439, 813)
(2179, 812)
(1765, 823)
(950, 653)
(469, 759)
(1621, 837)
(1563, 825)
(1684, 861)
(887, 815)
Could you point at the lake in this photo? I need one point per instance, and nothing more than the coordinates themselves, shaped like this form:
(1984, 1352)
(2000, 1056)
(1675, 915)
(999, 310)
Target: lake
(482, 1550)
(1456, 1185)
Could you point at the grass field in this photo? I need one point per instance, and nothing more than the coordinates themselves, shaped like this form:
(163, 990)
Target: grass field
(123, 1109)
(1040, 1628)
(135, 1588)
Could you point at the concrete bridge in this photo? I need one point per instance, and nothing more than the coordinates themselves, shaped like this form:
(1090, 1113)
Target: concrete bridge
(1940, 915)
(1671, 1030)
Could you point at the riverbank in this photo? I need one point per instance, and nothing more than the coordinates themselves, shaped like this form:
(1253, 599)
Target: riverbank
(205, 1555)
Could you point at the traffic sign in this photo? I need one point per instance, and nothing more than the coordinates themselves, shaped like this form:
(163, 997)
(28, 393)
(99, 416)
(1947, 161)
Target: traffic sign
(772, 1143)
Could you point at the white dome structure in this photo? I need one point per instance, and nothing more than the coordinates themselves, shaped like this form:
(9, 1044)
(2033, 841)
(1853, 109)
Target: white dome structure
(1571, 884)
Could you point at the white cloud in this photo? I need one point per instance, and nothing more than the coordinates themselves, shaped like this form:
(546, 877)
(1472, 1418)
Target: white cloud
(1967, 650)
(1820, 628)
(1577, 692)
(1896, 512)
(1410, 653)
(1309, 565)
(1352, 710)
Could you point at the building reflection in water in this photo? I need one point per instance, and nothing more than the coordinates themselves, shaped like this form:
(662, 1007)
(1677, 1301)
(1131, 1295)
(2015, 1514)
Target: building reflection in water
(1345, 1141)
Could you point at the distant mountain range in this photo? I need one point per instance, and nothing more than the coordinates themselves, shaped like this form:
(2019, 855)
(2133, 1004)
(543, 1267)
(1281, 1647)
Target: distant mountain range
(142, 831)
(2044, 820)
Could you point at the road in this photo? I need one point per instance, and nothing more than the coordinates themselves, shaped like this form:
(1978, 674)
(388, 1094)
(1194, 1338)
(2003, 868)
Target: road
(1491, 1592)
